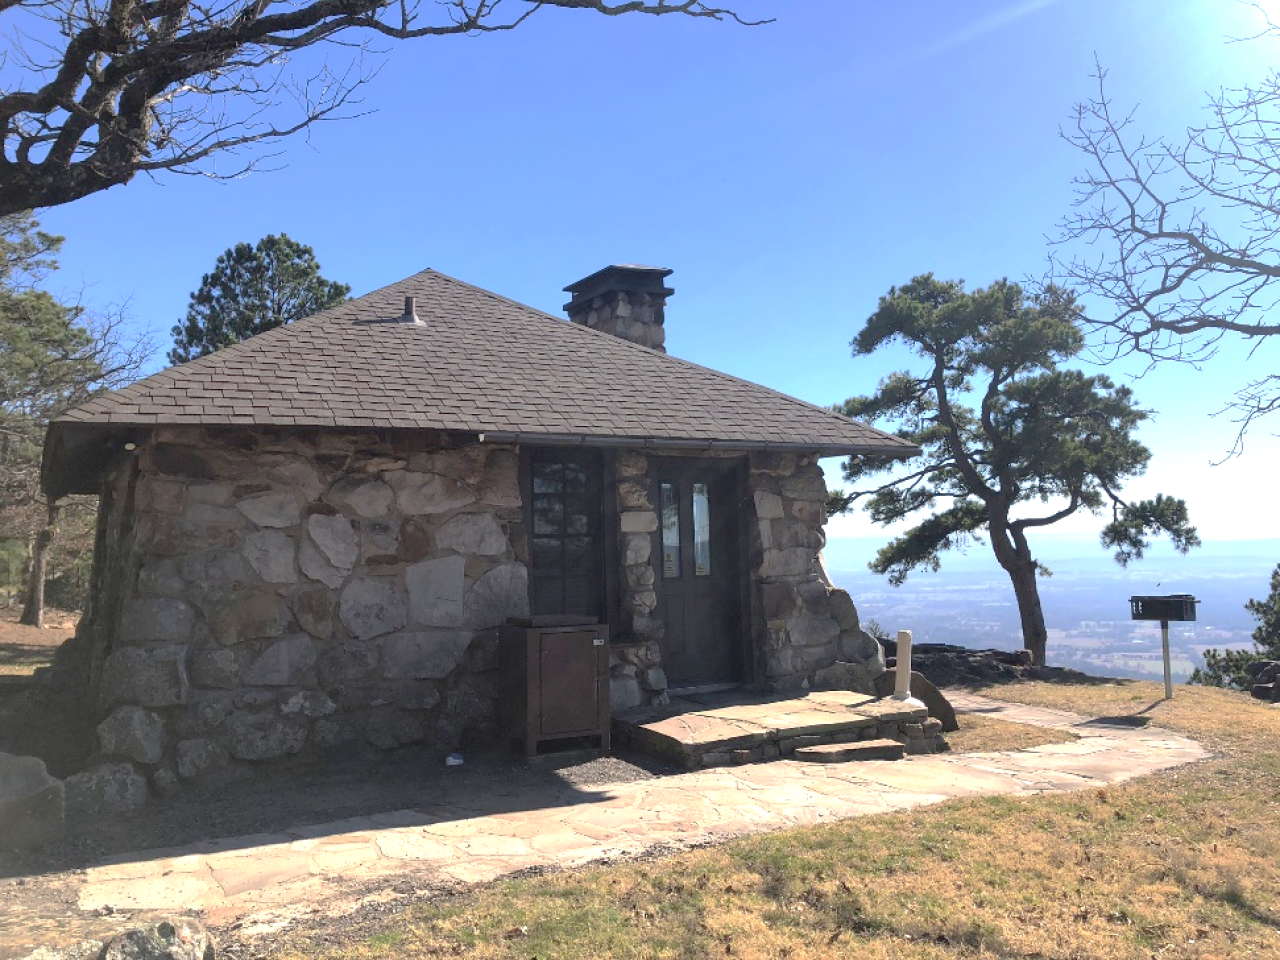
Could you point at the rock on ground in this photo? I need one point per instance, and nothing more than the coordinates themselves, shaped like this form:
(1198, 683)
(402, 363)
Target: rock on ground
(177, 938)
(31, 802)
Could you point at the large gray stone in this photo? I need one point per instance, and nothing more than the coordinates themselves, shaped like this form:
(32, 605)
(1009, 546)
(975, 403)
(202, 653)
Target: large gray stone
(198, 755)
(148, 677)
(215, 669)
(631, 464)
(812, 630)
(250, 616)
(469, 713)
(313, 610)
(206, 713)
(309, 703)
(296, 475)
(843, 675)
(436, 590)
(161, 578)
(860, 647)
(207, 513)
(263, 734)
(31, 802)
(160, 618)
(379, 538)
(636, 548)
(387, 727)
(795, 562)
(501, 593)
(216, 571)
(347, 663)
(423, 655)
(270, 553)
(624, 694)
(279, 508)
(768, 505)
(499, 485)
(806, 485)
(370, 607)
(634, 495)
(315, 565)
(427, 493)
(336, 538)
(362, 495)
(842, 608)
(174, 938)
(786, 534)
(134, 733)
(283, 664)
(638, 521)
(107, 788)
(472, 535)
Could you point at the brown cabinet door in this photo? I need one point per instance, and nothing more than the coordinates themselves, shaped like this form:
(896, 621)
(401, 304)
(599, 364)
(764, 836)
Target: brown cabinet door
(698, 570)
(570, 683)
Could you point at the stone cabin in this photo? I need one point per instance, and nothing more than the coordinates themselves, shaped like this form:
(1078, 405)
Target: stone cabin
(309, 538)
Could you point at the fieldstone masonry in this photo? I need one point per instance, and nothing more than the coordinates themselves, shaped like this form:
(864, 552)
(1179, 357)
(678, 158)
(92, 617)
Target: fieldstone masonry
(282, 593)
(806, 631)
(271, 593)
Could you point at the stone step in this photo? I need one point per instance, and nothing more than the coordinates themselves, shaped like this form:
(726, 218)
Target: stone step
(843, 752)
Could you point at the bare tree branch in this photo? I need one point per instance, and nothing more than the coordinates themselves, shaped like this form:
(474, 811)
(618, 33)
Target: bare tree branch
(1181, 237)
(131, 86)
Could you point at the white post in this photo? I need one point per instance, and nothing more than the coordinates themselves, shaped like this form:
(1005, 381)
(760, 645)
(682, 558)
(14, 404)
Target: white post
(1168, 676)
(902, 685)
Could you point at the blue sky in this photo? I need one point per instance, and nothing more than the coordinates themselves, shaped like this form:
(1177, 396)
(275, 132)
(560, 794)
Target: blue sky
(789, 174)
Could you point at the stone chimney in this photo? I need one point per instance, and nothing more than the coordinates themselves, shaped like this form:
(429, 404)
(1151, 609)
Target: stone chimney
(625, 300)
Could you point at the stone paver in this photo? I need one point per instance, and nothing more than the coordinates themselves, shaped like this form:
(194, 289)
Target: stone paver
(266, 879)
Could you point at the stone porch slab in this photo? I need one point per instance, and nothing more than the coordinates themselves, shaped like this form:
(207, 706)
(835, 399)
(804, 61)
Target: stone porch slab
(702, 730)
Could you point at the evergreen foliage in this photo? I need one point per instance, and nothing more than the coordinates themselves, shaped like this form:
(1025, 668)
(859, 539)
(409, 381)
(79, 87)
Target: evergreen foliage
(253, 289)
(1226, 668)
(1001, 424)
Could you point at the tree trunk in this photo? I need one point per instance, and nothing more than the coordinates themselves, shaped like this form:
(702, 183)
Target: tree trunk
(1034, 635)
(33, 607)
(1014, 555)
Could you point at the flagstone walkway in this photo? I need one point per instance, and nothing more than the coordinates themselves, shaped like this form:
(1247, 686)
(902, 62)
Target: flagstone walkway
(265, 881)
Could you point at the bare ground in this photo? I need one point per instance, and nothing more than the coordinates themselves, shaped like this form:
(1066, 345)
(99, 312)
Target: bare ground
(23, 649)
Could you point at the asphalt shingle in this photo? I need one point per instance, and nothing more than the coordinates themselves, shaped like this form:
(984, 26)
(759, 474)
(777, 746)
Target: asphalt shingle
(476, 362)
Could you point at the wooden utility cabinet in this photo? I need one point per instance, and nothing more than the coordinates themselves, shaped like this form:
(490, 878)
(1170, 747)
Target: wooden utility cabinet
(556, 682)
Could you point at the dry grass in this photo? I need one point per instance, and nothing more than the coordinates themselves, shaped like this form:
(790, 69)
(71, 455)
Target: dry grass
(979, 734)
(1184, 864)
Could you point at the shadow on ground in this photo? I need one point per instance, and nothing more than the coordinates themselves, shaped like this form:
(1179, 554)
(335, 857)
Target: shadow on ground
(26, 656)
(245, 805)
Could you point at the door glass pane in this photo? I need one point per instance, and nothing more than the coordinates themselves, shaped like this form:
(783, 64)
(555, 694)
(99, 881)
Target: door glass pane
(670, 507)
(701, 531)
(548, 516)
(548, 477)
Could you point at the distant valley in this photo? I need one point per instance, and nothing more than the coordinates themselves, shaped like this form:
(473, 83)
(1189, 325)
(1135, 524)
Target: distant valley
(969, 602)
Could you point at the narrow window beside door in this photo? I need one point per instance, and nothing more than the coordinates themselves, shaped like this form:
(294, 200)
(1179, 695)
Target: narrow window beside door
(670, 505)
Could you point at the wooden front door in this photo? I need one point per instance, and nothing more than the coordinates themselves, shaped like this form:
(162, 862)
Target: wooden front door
(698, 569)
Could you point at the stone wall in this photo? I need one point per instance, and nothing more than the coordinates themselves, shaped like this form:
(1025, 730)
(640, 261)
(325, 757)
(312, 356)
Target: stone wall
(288, 592)
(806, 630)
(636, 676)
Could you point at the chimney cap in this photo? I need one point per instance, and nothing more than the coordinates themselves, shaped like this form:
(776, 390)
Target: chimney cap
(628, 277)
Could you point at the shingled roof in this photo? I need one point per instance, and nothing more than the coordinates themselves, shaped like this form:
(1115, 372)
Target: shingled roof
(477, 362)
